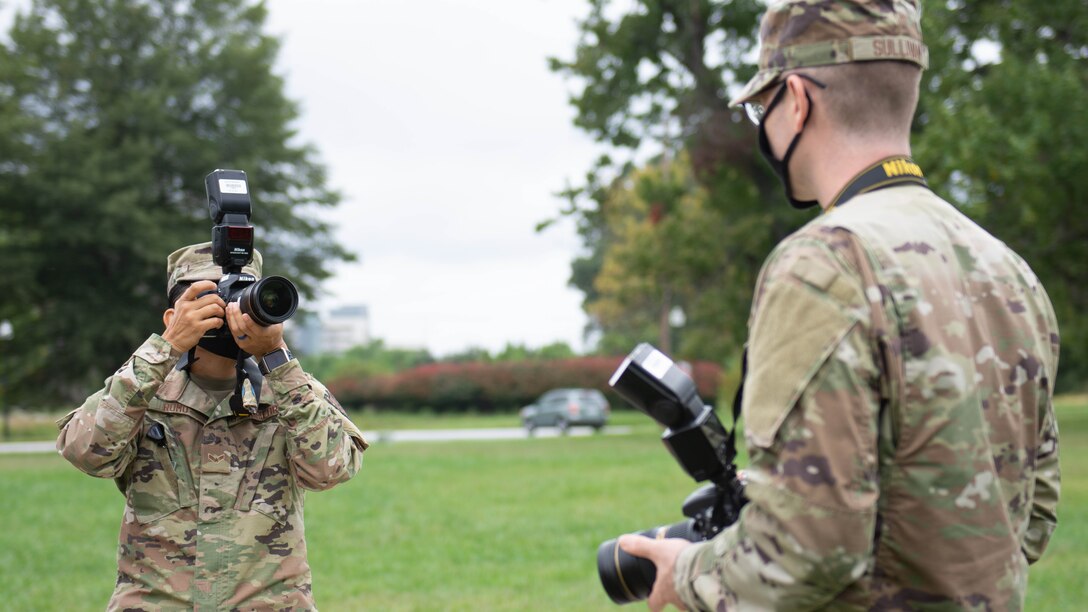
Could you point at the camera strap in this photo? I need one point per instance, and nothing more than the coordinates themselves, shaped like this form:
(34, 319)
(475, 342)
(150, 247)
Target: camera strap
(888, 172)
(738, 399)
(186, 361)
(246, 368)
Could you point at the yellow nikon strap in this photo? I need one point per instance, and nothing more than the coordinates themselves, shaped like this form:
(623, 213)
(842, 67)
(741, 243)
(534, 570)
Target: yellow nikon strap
(889, 172)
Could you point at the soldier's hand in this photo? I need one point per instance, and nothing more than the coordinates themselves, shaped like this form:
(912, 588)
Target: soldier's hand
(192, 316)
(663, 553)
(257, 340)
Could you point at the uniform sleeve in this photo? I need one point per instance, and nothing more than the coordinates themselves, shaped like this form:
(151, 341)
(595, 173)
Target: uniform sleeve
(811, 409)
(1044, 504)
(324, 446)
(1047, 489)
(97, 437)
(1047, 482)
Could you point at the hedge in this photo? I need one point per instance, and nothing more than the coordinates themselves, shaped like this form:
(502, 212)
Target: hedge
(493, 387)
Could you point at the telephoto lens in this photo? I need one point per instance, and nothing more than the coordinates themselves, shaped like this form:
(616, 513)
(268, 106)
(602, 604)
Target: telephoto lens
(627, 578)
(269, 301)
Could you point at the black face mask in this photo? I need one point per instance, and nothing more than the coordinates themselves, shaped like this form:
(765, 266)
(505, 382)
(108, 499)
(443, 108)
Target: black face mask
(781, 167)
(224, 346)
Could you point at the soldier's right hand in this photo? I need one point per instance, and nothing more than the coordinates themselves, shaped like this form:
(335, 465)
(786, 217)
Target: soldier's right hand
(192, 316)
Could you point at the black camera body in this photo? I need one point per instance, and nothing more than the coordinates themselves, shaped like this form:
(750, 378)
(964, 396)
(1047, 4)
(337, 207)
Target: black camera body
(651, 382)
(268, 301)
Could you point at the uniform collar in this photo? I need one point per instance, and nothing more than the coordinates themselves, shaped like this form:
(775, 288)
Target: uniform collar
(888, 172)
(179, 389)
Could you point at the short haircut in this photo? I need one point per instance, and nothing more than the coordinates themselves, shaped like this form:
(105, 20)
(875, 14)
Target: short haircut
(870, 98)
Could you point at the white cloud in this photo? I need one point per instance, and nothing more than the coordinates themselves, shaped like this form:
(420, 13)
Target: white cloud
(448, 135)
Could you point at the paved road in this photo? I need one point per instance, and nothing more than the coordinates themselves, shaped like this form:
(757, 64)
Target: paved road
(28, 447)
(495, 433)
(404, 435)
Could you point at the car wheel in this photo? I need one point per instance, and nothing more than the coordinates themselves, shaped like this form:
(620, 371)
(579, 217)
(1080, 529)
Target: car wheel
(529, 427)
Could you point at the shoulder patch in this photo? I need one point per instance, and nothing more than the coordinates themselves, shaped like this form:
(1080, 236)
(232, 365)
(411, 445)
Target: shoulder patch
(793, 333)
(813, 272)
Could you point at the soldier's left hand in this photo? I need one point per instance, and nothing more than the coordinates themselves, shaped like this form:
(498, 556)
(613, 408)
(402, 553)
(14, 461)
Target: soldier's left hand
(663, 553)
(257, 340)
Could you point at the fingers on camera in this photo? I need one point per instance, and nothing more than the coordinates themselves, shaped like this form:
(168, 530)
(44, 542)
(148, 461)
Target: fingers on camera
(209, 310)
(212, 323)
(198, 287)
(211, 298)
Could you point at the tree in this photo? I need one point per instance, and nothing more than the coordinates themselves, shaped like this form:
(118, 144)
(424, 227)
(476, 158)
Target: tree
(1001, 132)
(111, 114)
(998, 132)
(522, 352)
(657, 78)
(660, 263)
(510, 352)
(370, 359)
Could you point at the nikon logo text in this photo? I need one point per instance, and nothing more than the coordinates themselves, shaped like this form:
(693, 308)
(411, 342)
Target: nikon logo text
(233, 186)
(901, 167)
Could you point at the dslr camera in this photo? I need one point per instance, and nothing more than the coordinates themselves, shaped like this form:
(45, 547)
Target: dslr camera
(268, 301)
(651, 382)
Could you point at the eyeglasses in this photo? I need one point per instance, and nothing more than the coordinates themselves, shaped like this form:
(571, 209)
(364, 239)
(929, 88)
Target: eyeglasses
(757, 112)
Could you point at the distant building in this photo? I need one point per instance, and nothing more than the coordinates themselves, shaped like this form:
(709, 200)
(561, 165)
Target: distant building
(344, 328)
(303, 333)
(341, 329)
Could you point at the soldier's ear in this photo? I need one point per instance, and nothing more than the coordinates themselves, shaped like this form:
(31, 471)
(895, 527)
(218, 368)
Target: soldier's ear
(797, 106)
(167, 316)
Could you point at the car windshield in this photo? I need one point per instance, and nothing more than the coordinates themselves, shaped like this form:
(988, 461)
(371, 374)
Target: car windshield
(589, 397)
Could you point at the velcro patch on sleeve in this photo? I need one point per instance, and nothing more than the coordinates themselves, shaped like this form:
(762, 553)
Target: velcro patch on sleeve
(795, 330)
(817, 274)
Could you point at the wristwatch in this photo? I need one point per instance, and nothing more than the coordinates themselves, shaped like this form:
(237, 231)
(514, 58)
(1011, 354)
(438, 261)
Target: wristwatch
(273, 360)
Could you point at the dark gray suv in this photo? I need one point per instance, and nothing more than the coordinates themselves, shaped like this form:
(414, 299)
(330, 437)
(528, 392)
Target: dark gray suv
(565, 408)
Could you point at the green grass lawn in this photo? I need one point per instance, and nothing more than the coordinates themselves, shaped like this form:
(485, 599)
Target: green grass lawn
(452, 526)
(384, 421)
(38, 426)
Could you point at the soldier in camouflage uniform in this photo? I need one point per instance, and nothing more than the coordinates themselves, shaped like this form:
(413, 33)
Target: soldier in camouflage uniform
(898, 406)
(213, 513)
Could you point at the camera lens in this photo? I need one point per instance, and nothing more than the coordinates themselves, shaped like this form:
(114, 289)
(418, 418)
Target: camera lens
(270, 300)
(627, 578)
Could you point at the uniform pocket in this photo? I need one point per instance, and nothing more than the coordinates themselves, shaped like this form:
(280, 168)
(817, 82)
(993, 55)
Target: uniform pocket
(266, 486)
(153, 490)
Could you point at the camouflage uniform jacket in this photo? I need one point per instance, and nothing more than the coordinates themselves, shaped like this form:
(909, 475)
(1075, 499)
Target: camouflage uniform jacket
(213, 513)
(898, 417)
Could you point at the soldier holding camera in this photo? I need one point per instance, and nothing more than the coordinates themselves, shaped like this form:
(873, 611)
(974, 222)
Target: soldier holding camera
(898, 403)
(213, 449)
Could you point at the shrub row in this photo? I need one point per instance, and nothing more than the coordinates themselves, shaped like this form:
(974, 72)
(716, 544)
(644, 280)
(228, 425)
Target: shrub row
(492, 387)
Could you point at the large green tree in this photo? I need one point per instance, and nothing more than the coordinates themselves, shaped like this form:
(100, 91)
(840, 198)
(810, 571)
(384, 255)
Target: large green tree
(1000, 131)
(656, 78)
(111, 114)
(659, 264)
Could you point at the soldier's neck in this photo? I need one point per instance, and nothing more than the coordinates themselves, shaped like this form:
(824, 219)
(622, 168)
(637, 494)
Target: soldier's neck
(841, 159)
(210, 365)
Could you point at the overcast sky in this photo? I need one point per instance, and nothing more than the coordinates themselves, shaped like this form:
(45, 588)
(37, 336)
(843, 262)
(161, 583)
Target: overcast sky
(448, 136)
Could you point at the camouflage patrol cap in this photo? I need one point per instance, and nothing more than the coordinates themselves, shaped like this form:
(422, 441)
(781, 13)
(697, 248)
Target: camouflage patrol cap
(194, 262)
(800, 33)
